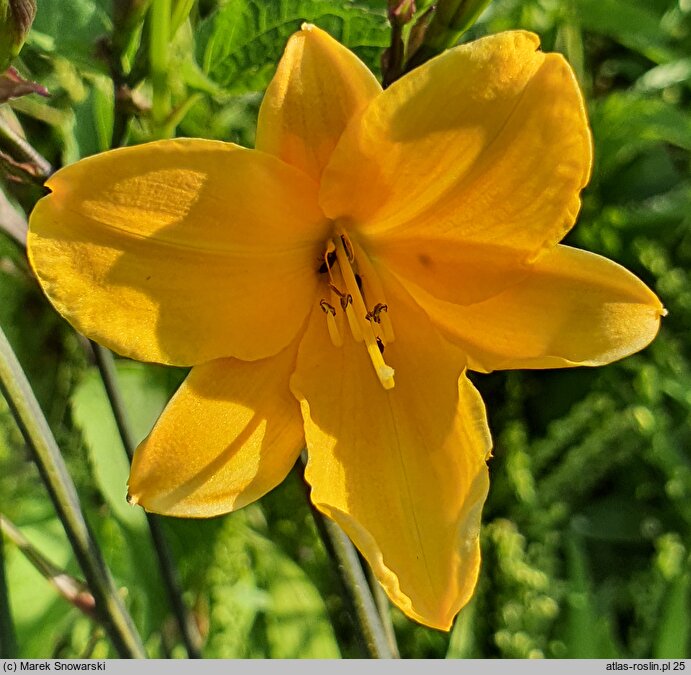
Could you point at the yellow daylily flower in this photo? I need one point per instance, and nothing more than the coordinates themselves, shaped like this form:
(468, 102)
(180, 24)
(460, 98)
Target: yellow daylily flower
(332, 286)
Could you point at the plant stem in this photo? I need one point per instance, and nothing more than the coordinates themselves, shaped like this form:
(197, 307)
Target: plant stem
(20, 148)
(185, 620)
(384, 608)
(394, 56)
(73, 590)
(8, 642)
(160, 14)
(32, 423)
(342, 551)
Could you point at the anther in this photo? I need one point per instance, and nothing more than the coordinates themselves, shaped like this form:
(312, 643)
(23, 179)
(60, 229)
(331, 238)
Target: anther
(375, 314)
(327, 308)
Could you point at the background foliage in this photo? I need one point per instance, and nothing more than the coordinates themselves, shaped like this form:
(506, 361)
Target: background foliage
(587, 529)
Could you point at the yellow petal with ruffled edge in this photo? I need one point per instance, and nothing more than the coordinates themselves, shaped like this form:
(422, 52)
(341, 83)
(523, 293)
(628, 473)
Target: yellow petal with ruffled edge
(318, 87)
(402, 470)
(180, 251)
(486, 145)
(573, 308)
(230, 434)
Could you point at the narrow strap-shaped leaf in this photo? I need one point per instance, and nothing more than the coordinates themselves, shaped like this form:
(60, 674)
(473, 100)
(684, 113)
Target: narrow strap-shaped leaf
(8, 643)
(341, 550)
(71, 589)
(39, 438)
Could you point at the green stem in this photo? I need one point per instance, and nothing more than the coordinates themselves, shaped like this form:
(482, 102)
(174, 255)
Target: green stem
(384, 609)
(342, 551)
(39, 438)
(448, 21)
(73, 590)
(394, 56)
(121, 120)
(8, 642)
(185, 620)
(159, 38)
(21, 149)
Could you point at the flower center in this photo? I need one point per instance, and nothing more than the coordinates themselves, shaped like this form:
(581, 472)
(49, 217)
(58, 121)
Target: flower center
(349, 278)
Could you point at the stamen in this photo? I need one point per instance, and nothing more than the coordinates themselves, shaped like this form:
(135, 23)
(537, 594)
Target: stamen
(378, 292)
(375, 314)
(334, 333)
(327, 308)
(384, 372)
(328, 260)
(347, 306)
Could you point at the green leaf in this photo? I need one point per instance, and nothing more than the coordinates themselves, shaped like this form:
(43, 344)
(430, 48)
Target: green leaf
(675, 626)
(297, 624)
(38, 610)
(632, 24)
(588, 634)
(145, 390)
(624, 124)
(241, 43)
(93, 126)
(125, 539)
(665, 76)
(462, 644)
(75, 27)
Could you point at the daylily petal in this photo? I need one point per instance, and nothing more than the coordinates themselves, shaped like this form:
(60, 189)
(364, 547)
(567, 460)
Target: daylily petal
(230, 434)
(318, 87)
(402, 471)
(574, 308)
(487, 143)
(180, 251)
(455, 271)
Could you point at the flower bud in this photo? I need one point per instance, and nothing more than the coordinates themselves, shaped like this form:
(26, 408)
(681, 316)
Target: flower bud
(400, 12)
(16, 17)
(441, 27)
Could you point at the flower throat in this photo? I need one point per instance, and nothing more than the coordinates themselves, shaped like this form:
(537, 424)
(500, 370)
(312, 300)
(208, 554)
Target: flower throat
(371, 326)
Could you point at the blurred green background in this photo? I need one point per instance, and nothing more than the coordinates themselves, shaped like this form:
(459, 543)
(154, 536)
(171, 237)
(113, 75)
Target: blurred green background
(586, 535)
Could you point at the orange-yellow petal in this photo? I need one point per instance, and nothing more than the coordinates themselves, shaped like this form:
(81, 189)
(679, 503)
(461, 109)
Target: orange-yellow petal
(487, 143)
(574, 308)
(402, 470)
(180, 251)
(230, 434)
(318, 87)
(455, 271)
